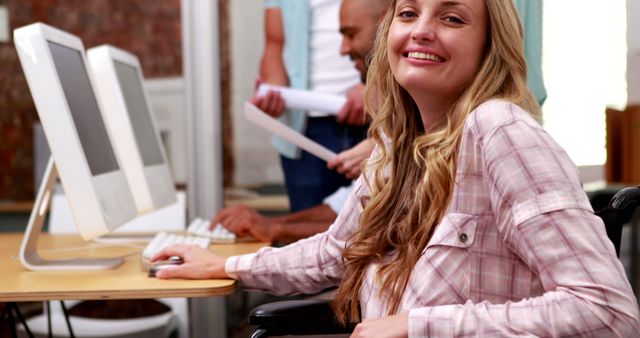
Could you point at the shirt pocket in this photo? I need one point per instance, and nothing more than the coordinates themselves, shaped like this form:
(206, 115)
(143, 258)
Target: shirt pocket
(445, 266)
(455, 230)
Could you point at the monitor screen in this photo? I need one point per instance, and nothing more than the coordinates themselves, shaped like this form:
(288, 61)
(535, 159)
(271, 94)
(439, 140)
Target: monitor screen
(139, 114)
(84, 109)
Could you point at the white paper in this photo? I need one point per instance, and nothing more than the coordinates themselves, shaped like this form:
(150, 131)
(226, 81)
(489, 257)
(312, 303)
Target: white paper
(306, 100)
(257, 116)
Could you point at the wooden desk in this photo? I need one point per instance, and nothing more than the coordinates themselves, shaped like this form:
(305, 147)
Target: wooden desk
(273, 203)
(127, 281)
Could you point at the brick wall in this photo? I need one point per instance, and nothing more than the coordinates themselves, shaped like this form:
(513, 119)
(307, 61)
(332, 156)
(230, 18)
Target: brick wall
(148, 28)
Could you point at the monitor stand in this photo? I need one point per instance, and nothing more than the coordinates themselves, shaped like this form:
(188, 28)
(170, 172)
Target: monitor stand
(29, 248)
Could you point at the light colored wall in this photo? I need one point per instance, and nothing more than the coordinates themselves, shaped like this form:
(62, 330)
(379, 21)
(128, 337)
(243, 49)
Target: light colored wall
(256, 162)
(633, 59)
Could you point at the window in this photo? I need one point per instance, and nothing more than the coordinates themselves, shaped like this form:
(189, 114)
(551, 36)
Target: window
(584, 63)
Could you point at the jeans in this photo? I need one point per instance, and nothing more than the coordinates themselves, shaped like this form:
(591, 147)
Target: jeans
(307, 179)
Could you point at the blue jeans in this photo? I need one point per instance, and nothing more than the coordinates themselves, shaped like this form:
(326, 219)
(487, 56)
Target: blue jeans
(307, 179)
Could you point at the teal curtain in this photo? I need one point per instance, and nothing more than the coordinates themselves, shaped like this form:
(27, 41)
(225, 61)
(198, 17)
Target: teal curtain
(531, 15)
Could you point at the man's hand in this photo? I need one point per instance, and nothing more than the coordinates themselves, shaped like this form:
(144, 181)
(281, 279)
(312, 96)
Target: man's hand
(197, 263)
(272, 68)
(244, 221)
(271, 103)
(349, 162)
(396, 326)
(352, 113)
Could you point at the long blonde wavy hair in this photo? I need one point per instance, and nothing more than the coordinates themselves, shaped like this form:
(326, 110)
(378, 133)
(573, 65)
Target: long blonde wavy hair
(412, 178)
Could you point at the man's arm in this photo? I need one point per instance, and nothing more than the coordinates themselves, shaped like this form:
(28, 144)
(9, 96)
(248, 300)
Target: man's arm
(245, 221)
(272, 69)
(295, 231)
(302, 224)
(319, 213)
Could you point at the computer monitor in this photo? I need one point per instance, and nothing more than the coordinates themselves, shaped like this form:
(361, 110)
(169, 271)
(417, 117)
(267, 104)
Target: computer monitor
(128, 115)
(82, 155)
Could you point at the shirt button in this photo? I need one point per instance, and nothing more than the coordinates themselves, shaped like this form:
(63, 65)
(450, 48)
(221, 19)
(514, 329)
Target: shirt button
(463, 237)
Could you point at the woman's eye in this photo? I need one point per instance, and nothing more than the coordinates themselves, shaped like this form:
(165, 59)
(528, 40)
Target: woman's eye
(453, 19)
(407, 14)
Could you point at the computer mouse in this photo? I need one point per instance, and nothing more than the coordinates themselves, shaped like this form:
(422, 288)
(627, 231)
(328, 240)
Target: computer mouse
(159, 265)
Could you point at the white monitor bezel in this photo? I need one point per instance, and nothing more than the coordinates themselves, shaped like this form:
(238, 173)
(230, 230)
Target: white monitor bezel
(152, 186)
(99, 203)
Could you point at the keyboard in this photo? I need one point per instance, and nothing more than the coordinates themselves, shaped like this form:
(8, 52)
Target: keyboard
(163, 240)
(219, 234)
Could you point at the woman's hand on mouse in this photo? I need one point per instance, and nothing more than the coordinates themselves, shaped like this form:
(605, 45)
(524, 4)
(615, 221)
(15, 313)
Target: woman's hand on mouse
(198, 263)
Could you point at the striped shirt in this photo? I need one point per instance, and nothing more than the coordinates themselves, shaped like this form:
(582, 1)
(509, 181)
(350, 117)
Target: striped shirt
(519, 251)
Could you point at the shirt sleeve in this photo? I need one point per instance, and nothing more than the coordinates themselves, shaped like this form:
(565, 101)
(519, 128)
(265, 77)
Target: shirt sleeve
(307, 266)
(272, 3)
(545, 219)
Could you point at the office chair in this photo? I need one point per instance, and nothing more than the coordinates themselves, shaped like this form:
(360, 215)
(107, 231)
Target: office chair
(314, 317)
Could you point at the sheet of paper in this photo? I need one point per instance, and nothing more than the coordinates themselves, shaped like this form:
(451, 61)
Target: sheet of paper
(257, 116)
(307, 100)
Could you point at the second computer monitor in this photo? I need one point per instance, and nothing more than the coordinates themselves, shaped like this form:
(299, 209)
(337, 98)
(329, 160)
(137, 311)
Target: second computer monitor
(119, 84)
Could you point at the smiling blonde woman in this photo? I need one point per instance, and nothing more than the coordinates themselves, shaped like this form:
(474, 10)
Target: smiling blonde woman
(469, 220)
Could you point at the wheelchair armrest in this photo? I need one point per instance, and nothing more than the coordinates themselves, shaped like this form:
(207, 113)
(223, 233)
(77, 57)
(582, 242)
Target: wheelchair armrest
(619, 211)
(298, 317)
(627, 199)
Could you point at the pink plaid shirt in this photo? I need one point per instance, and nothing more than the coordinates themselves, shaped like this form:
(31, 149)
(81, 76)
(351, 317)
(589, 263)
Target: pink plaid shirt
(518, 253)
